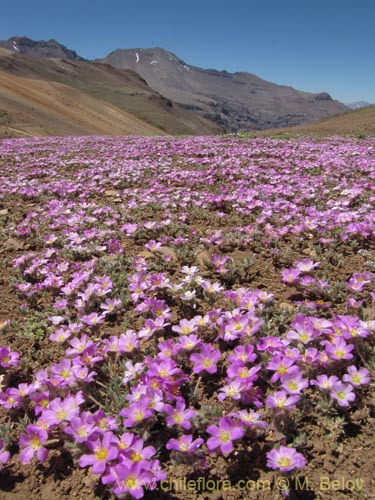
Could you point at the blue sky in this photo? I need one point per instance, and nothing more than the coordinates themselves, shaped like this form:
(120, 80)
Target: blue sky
(312, 45)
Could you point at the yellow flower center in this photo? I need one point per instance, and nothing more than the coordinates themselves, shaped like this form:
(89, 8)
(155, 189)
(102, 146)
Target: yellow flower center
(35, 443)
(207, 363)
(280, 402)
(103, 423)
(293, 386)
(101, 454)
(136, 457)
(224, 437)
(284, 462)
(62, 414)
(131, 482)
(138, 415)
(184, 446)
(82, 432)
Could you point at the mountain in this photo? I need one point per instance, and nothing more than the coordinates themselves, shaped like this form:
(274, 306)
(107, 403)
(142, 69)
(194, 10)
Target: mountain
(88, 89)
(358, 104)
(236, 101)
(49, 48)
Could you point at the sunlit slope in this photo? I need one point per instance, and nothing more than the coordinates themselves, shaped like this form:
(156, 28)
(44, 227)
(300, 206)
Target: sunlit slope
(41, 108)
(360, 122)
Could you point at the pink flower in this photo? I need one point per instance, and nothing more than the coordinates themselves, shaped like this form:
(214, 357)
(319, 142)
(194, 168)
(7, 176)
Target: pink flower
(179, 415)
(224, 434)
(184, 444)
(8, 358)
(285, 459)
(306, 265)
(342, 393)
(282, 400)
(5, 455)
(356, 377)
(339, 349)
(206, 359)
(103, 451)
(32, 443)
(290, 276)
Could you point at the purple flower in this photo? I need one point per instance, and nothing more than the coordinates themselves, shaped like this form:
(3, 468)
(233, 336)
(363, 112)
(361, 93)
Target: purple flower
(232, 390)
(285, 459)
(293, 382)
(224, 434)
(129, 479)
(4, 455)
(103, 451)
(250, 419)
(81, 428)
(282, 400)
(184, 444)
(243, 353)
(206, 359)
(179, 415)
(136, 412)
(137, 453)
(342, 393)
(290, 276)
(356, 377)
(32, 443)
(281, 365)
(339, 349)
(186, 326)
(59, 410)
(324, 382)
(93, 319)
(8, 358)
(241, 372)
(306, 265)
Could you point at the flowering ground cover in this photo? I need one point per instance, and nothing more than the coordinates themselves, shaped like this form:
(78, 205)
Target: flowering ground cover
(187, 318)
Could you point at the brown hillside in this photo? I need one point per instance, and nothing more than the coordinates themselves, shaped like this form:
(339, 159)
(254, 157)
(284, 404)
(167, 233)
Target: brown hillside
(360, 122)
(124, 89)
(35, 107)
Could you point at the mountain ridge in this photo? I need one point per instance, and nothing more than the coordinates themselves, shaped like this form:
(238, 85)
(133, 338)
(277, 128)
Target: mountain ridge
(180, 98)
(238, 101)
(39, 48)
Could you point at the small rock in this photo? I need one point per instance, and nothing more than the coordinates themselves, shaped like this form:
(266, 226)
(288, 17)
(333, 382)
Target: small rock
(168, 252)
(146, 254)
(309, 251)
(12, 244)
(203, 258)
(286, 305)
(369, 313)
(4, 211)
(111, 192)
